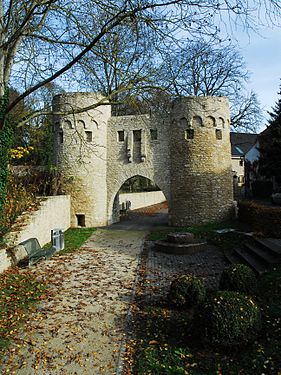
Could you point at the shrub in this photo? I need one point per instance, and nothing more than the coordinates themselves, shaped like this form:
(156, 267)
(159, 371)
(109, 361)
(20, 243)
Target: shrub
(238, 278)
(18, 199)
(187, 290)
(230, 319)
(261, 218)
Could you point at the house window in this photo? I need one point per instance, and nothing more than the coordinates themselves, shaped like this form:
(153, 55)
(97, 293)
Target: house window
(153, 134)
(137, 135)
(218, 134)
(81, 220)
(241, 162)
(189, 134)
(89, 136)
(121, 136)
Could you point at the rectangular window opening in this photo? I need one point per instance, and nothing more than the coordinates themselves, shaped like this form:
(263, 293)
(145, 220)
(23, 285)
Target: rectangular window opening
(89, 136)
(121, 136)
(189, 134)
(81, 220)
(153, 134)
(137, 135)
(218, 134)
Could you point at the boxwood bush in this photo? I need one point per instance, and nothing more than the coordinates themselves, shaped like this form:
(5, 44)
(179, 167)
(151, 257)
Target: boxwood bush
(229, 319)
(187, 291)
(239, 278)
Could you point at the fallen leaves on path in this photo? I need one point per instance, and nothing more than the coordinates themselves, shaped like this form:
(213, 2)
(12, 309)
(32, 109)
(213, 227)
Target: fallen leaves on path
(80, 326)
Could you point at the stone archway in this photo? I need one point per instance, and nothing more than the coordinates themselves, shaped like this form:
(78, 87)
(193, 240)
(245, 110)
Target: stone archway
(114, 203)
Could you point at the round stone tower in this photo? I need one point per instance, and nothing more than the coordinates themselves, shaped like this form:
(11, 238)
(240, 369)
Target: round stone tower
(80, 151)
(201, 179)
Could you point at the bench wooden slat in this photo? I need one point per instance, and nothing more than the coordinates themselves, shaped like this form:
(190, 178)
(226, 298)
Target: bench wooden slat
(35, 252)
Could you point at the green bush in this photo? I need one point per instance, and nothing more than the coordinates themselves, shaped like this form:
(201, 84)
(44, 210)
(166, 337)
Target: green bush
(262, 219)
(187, 291)
(238, 278)
(229, 319)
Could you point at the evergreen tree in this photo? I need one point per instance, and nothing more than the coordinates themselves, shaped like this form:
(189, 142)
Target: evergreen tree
(270, 144)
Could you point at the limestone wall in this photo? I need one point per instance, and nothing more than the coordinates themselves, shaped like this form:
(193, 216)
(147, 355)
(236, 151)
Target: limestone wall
(201, 178)
(54, 212)
(187, 154)
(137, 145)
(142, 199)
(81, 144)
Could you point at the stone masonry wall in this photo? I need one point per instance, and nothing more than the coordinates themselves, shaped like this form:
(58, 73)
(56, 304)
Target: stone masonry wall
(186, 154)
(81, 151)
(143, 199)
(136, 154)
(53, 212)
(201, 187)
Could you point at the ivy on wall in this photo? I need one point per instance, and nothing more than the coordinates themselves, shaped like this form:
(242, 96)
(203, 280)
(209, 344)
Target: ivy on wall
(6, 136)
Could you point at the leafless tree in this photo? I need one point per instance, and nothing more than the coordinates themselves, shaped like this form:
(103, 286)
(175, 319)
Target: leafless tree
(41, 41)
(204, 68)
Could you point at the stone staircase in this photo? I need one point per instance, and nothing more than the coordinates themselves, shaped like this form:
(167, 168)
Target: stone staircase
(260, 254)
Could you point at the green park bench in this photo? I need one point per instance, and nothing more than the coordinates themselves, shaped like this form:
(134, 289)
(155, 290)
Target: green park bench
(35, 252)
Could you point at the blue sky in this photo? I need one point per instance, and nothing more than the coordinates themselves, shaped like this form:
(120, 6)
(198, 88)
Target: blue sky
(262, 55)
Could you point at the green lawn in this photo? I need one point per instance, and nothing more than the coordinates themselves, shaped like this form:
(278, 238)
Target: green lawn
(75, 238)
(198, 230)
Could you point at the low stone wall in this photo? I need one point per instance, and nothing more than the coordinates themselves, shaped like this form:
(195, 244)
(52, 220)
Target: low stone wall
(54, 212)
(143, 199)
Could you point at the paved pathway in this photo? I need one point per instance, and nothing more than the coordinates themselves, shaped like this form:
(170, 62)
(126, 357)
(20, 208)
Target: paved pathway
(162, 268)
(79, 330)
(81, 327)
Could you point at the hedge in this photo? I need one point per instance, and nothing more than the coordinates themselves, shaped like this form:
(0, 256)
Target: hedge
(262, 219)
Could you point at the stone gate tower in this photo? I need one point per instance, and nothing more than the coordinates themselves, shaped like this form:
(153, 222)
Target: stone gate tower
(186, 153)
(201, 182)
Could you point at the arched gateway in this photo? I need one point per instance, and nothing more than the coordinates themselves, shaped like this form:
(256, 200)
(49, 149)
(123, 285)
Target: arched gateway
(187, 154)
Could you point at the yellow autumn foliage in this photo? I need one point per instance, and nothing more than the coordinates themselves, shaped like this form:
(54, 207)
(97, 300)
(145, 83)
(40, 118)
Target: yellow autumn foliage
(20, 152)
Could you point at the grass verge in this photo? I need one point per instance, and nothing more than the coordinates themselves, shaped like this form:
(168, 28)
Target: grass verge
(198, 230)
(73, 239)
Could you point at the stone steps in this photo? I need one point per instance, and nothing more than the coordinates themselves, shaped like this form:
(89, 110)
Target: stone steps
(259, 254)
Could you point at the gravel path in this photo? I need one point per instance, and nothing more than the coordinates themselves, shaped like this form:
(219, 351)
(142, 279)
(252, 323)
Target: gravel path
(80, 329)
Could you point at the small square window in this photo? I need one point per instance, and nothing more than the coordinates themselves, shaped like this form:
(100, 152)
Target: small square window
(241, 162)
(189, 134)
(121, 136)
(153, 134)
(137, 135)
(89, 136)
(80, 220)
(218, 134)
